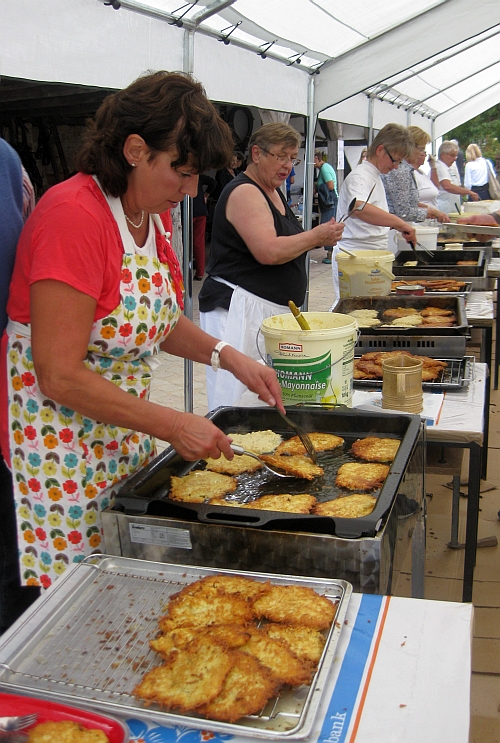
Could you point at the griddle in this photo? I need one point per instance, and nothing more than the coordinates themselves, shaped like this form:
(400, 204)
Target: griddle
(442, 264)
(146, 493)
(455, 376)
(453, 302)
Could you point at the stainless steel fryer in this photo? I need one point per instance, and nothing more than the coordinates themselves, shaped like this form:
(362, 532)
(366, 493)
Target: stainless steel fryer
(86, 641)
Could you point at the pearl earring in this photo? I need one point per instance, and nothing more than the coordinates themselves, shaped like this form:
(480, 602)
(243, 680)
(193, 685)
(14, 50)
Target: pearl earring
(133, 165)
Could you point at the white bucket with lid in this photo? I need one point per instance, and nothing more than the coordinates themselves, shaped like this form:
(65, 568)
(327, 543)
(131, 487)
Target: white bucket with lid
(481, 207)
(369, 274)
(427, 236)
(312, 366)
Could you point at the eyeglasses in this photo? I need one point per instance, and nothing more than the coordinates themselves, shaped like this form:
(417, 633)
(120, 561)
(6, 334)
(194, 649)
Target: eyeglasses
(282, 159)
(393, 161)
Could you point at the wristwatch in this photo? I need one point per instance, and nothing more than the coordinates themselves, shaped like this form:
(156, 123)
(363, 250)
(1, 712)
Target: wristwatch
(215, 357)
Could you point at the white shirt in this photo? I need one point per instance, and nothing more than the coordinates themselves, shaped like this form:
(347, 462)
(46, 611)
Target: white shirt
(447, 202)
(427, 191)
(476, 173)
(358, 184)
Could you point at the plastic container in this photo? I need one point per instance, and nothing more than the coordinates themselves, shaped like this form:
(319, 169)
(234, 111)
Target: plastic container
(369, 274)
(416, 290)
(313, 366)
(427, 236)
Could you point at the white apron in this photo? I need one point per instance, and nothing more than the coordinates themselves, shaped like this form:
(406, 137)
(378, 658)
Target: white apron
(239, 326)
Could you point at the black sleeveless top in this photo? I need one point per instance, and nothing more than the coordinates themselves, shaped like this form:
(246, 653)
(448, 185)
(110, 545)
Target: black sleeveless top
(231, 260)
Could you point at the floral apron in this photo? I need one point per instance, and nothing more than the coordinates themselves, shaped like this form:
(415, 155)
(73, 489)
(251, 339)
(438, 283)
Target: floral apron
(64, 465)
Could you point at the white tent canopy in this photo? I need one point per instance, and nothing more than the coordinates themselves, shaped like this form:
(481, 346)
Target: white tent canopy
(439, 59)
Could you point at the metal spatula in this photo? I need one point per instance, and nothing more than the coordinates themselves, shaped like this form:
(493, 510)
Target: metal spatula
(308, 444)
(240, 451)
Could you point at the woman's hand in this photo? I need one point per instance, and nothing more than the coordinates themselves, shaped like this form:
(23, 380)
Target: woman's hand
(484, 220)
(329, 233)
(436, 214)
(194, 437)
(409, 234)
(473, 195)
(258, 377)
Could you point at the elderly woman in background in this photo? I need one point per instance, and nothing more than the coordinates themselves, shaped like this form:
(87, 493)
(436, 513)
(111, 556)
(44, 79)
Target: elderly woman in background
(258, 252)
(477, 172)
(445, 176)
(96, 291)
(401, 185)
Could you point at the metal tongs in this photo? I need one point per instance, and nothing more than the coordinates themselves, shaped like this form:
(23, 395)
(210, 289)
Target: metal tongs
(308, 444)
(416, 254)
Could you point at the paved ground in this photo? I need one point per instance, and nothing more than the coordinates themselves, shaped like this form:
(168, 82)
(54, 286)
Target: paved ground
(443, 566)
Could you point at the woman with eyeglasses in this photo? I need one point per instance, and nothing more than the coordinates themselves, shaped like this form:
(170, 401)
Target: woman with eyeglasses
(258, 253)
(444, 175)
(402, 185)
(368, 228)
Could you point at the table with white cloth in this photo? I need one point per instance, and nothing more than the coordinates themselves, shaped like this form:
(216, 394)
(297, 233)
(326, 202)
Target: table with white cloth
(463, 423)
(401, 673)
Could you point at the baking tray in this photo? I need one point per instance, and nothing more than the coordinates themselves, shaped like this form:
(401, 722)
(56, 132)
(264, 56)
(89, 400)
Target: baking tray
(17, 704)
(466, 289)
(146, 493)
(87, 641)
(441, 263)
(452, 228)
(456, 376)
(453, 302)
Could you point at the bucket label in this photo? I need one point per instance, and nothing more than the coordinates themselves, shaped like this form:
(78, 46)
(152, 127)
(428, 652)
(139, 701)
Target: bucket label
(310, 380)
(292, 347)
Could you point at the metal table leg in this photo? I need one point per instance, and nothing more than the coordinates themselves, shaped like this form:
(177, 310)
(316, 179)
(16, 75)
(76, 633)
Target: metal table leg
(472, 520)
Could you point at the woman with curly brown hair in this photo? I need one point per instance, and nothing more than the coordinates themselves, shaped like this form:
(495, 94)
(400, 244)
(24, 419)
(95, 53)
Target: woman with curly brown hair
(96, 291)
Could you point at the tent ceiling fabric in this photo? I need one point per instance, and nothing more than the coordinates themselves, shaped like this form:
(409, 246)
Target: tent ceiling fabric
(436, 58)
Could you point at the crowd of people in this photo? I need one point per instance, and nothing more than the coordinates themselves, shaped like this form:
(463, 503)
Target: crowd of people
(76, 419)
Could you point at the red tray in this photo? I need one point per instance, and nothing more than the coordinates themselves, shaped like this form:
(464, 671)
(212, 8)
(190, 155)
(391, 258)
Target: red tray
(14, 704)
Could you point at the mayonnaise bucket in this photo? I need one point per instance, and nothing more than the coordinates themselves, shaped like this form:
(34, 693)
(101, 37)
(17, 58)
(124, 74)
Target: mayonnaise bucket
(313, 366)
(369, 274)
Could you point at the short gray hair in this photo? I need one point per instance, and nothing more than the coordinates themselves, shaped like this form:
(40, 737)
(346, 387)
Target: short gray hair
(276, 133)
(448, 148)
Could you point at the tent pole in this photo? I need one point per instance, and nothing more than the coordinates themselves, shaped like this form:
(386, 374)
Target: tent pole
(187, 240)
(371, 106)
(309, 172)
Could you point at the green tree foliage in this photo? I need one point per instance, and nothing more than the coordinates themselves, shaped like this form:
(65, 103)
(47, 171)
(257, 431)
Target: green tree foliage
(483, 130)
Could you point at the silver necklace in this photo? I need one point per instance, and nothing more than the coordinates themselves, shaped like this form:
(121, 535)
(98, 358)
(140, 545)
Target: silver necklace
(132, 223)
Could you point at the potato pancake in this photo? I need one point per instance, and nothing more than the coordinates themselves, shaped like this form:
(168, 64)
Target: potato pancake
(320, 441)
(298, 466)
(285, 502)
(200, 485)
(65, 731)
(375, 449)
(409, 321)
(347, 507)
(435, 311)
(230, 635)
(295, 605)
(246, 690)
(275, 655)
(304, 642)
(258, 442)
(397, 312)
(190, 678)
(354, 476)
(215, 585)
(197, 610)
(237, 465)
